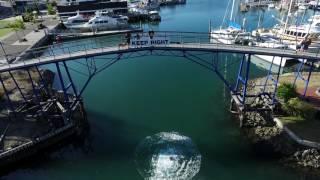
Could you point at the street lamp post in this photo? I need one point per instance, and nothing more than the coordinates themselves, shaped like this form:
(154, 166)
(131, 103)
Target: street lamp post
(4, 52)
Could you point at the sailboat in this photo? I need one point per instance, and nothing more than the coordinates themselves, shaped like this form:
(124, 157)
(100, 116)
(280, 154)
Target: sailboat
(232, 34)
(292, 34)
(280, 37)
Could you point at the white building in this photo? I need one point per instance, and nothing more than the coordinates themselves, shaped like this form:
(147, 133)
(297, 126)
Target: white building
(257, 3)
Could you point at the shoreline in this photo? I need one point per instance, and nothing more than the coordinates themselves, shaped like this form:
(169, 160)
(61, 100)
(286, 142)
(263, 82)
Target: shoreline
(270, 136)
(45, 129)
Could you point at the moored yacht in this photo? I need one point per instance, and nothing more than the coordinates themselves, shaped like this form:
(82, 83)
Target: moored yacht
(268, 40)
(314, 18)
(103, 21)
(154, 16)
(285, 36)
(299, 33)
(291, 35)
(271, 6)
(76, 20)
(233, 34)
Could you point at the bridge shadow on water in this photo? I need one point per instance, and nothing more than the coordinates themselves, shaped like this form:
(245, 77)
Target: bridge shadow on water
(104, 139)
(109, 136)
(107, 141)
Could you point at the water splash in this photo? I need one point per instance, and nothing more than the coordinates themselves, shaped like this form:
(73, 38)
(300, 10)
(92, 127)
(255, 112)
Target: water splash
(167, 156)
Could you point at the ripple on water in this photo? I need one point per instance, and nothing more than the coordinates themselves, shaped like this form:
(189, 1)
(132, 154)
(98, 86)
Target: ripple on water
(167, 155)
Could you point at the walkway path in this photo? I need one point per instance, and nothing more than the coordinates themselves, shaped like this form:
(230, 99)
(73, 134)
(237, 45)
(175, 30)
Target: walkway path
(11, 42)
(84, 50)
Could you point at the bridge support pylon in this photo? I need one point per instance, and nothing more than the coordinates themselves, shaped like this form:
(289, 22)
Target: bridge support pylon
(299, 75)
(241, 86)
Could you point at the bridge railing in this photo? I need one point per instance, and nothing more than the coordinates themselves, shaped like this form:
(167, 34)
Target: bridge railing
(178, 39)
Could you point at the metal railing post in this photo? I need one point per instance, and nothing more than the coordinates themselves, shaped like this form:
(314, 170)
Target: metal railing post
(69, 52)
(54, 57)
(4, 52)
(38, 58)
(182, 40)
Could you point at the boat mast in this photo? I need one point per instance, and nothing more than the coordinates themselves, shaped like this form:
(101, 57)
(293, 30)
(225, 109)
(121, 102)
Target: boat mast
(232, 9)
(314, 13)
(225, 14)
(289, 14)
(259, 21)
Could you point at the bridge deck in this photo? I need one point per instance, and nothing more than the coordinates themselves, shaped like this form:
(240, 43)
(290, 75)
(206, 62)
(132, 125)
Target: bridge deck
(115, 49)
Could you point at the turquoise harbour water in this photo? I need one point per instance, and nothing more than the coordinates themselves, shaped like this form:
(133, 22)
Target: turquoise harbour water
(140, 97)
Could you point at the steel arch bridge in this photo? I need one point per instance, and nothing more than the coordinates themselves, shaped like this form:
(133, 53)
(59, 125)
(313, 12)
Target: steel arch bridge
(100, 54)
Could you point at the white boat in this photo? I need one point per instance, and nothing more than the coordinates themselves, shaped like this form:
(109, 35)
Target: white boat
(314, 5)
(230, 34)
(103, 21)
(135, 8)
(278, 37)
(276, 60)
(292, 35)
(288, 36)
(268, 40)
(315, 17)
(151, 5)
(143, 6)
(271, 6)
(259, 3)
(76, 20)
(111, 14)
(73, 2)
(154, 16)
(302, 6)
(234, 34)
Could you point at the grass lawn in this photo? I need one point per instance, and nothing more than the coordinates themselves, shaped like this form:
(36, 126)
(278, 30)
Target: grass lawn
(5, 31)
(292, 119)
(314, 79)
(305, 129)
(3, 23)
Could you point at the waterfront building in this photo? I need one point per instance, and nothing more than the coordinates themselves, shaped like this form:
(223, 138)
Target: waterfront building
(258, 3)
(70, 7)
(21, 6)
(6, 9)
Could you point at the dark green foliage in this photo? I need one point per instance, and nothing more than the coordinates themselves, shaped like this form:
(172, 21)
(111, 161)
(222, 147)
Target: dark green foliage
(297, 107)
(28, 17)
(17, 24)
(53, 3)
(286, 91)
(50, 8)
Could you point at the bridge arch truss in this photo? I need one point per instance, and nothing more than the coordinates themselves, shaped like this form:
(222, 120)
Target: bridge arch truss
(95, 60)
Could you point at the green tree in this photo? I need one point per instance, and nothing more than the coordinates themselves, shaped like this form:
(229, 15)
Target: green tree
(16, 26)
(54, 3)
(298, 107)
(36, 6)
(287, 91)
(51, 10)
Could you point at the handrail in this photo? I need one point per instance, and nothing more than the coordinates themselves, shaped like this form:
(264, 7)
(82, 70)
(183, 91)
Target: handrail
(182, 39)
